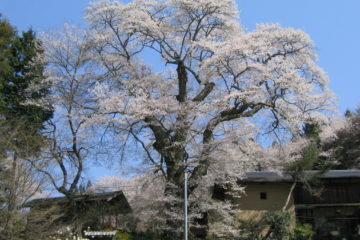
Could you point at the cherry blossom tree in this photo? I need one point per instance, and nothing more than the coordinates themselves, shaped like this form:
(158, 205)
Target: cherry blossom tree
(218, 84)
(62, 159)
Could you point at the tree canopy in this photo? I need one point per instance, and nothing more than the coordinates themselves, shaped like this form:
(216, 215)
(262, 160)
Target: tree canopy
(220, 85)
(20, 71)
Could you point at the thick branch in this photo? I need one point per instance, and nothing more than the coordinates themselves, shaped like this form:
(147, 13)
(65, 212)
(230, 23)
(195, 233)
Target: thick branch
(160, 132)
(204, 92)
(228, 115)
(182, 77)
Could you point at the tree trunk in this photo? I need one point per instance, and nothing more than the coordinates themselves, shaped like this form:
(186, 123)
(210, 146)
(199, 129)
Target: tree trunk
(289, 196)
(11, 211)
(174, 213)
(174, 228)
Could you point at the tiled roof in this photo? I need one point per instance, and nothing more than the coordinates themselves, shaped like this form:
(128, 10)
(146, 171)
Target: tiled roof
(106, 196)
(267, 176)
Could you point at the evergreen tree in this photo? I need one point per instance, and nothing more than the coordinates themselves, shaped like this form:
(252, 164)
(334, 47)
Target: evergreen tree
(345, 147)
(20, 122)
(20, 70)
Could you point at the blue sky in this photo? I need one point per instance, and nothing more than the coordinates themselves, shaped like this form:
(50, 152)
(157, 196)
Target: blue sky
(333, 25)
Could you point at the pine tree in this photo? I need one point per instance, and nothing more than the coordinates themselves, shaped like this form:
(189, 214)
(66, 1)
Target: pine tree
(19, 70)
(20, 121)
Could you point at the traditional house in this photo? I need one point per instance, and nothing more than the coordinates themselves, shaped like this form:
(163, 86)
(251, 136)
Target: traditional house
(331, 204)
(265, 191)
(86, 213)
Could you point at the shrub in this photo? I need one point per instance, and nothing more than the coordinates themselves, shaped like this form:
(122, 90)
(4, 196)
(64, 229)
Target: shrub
(122, 236)
(274, 224)
(303, 232)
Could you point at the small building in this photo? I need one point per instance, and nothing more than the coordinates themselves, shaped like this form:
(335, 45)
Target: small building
(264, 191)
(334, 209)
(331, 206)
(87, 212)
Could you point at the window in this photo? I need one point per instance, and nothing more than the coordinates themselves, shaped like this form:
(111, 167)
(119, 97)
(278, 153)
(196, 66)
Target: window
(263, 196)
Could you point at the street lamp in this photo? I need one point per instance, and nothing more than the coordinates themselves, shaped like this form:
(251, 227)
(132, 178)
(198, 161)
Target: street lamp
(185, 202)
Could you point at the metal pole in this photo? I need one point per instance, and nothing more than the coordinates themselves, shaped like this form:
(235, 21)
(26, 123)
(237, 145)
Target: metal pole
(185, 206)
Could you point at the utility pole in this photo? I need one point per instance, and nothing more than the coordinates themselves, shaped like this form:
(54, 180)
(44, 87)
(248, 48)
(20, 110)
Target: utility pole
(185, 203)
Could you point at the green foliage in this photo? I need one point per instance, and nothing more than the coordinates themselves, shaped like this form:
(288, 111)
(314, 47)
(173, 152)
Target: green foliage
(7, 33)
(251, 229)
(120, 235)
(279, 223)
(303, 232)
(275, 224)
(216, 238)
(145, 236)
(341, 151)
(312, 130)
(123, 235)
(310, 154)
(309, 158)
(21, 68)
(345, 148)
